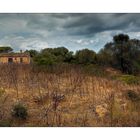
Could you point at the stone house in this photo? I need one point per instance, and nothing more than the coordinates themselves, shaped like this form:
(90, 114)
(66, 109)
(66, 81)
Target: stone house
(15, 58)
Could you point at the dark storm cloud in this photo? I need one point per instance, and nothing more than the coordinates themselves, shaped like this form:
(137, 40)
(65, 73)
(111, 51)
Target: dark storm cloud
(87, 24)
(83, 24)
(71, 30)
(78, 24)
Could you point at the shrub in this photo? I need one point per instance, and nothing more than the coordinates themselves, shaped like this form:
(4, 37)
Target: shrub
(19, 111)
(129, 79)
(132, 95)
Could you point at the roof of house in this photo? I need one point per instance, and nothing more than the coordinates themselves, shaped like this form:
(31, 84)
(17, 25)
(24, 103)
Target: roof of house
(14, 54)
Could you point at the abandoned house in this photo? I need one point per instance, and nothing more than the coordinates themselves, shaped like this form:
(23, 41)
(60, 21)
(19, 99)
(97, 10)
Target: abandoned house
(16, 58)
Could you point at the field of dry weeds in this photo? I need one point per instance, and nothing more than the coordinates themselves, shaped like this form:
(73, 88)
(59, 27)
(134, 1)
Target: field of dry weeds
(67, 98)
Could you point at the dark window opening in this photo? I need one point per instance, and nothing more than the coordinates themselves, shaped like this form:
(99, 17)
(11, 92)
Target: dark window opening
(10, 60)
(21, 60)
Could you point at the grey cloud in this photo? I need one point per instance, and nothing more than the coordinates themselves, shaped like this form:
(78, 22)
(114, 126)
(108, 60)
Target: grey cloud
(65, 29)
(93, 23)
(76, 24)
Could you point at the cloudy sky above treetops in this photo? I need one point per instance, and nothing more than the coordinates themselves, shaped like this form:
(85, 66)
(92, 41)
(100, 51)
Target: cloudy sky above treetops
(74, 31)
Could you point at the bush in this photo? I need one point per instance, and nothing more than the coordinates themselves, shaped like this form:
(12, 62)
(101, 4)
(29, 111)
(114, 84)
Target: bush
(19, 111)
(133, 96)
(129, 79)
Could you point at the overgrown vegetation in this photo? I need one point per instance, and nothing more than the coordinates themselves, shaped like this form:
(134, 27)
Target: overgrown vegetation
(85, 88)
(19, 111)
(129, 79)
(66, 96)
(123, 54)
(132, 96)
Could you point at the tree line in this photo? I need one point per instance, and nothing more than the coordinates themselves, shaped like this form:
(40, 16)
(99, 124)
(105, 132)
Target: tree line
(122, 53)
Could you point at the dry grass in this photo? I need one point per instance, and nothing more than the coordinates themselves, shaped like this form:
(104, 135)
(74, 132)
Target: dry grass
(68, 98)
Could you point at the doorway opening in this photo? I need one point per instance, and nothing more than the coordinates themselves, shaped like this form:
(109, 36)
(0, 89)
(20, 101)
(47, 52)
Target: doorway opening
(10, 60)
(21, 60)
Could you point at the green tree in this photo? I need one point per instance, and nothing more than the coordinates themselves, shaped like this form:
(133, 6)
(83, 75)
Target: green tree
(61, 53)
(120, 39)
(45, 59)
(49, 56)
(85, 56)
(105, 55)
(127, 53)
(5, 49)
(124, 54)
(32, 53)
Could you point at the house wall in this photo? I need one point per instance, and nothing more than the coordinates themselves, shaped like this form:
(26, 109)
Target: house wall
(26, 60)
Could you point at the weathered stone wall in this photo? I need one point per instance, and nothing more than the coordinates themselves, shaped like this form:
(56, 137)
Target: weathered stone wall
(25, 60)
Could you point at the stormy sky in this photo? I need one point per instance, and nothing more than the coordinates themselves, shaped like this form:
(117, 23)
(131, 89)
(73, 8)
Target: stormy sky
(74, 31)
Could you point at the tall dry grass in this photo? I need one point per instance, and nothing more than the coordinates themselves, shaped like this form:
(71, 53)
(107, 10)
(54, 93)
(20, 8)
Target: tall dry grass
(65, 96)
